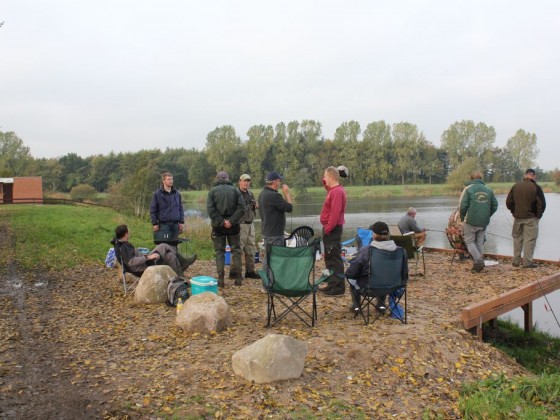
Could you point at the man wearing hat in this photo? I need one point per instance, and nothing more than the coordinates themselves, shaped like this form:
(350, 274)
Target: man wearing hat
(357, 272)
(225, 208)
(248, 248)
(527, 204)
(273, 208)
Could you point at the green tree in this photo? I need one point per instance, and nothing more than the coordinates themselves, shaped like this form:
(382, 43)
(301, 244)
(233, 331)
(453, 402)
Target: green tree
(461, 175)
(346, 141)
(222, 145)
(376, 157)
(523, 150)
(83, 192)
(259, 151)
(14, 156)
(75, 170)
(406, 141)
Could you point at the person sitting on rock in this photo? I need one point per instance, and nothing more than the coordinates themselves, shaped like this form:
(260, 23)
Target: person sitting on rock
(137, 262)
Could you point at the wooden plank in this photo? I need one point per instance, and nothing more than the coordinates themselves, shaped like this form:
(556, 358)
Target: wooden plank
(474, 315)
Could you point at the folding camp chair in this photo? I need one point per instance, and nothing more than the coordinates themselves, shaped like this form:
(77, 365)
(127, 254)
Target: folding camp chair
(299, 237)
(363, 238)
(129, 284)
(289, 278)
(388, 277)
(408, 242)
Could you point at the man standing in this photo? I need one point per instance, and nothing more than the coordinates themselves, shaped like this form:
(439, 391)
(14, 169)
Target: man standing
(225, 209)
(408, 224)
(478, 204)
(166, 209)
(527, 204)
(332, 219)
(248, 247)
(273, 209)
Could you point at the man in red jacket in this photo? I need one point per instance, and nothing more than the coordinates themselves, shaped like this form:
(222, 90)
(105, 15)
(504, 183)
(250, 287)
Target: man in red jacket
(332, 219)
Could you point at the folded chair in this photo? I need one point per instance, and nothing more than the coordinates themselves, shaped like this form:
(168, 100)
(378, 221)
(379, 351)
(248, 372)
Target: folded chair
(299, 237)
(125, 270)
(289, 279)
(387, 281)
(408, 242)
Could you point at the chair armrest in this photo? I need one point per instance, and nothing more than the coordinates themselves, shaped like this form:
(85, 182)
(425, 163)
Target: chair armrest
(323, 277)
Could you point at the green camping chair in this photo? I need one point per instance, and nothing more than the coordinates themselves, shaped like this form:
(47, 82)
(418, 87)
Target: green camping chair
(289, 278)
(408, 242)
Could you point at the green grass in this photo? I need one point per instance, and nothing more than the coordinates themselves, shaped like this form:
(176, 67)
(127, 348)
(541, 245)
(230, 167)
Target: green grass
(526, 397)
(62, 236)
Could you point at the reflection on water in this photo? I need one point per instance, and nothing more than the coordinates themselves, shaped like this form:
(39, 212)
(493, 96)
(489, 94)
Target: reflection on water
(433, 213)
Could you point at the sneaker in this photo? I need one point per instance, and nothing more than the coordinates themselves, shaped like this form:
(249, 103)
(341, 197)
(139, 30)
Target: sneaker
(477, 268)
(530, 265)
(381, 307)
(251, 275)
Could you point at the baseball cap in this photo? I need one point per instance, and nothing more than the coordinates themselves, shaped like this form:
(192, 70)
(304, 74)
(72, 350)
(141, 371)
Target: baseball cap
(273, 176)
(245, 177)
(530, 171)
(380, 228)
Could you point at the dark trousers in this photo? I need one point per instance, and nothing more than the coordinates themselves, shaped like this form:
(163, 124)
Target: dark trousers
(219, 237)
(333, 257)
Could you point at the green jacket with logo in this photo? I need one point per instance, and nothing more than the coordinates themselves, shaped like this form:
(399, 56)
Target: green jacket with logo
(478, 204)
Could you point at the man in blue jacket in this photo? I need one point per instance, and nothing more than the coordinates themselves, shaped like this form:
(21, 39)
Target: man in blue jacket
(166, 209)
(478, 204)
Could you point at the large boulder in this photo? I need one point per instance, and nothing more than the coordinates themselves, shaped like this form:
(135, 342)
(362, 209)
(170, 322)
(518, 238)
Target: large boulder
(272, 358)
(205, 312)
(152, 287)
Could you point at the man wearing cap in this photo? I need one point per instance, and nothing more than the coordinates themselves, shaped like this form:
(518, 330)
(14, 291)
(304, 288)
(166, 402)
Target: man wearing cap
(357, 272)
(527, 204)
(477, 205)
(247, 234)
(408, 224)
(332, 219)
(273, 208)
(225, 208)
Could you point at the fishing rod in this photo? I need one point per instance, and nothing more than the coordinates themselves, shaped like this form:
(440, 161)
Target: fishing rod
(489, 233)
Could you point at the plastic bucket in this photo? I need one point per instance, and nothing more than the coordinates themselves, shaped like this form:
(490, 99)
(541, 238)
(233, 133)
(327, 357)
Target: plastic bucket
(228, 255)
(203, 284)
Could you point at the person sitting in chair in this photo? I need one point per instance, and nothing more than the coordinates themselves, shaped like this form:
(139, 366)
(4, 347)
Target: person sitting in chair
(137, 262)
(408, 224)
(357, 272)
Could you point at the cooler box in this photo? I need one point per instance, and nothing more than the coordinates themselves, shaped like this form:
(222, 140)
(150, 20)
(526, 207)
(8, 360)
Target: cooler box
(201, 284)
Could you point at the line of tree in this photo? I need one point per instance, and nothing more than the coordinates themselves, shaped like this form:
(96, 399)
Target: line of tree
(380, 154)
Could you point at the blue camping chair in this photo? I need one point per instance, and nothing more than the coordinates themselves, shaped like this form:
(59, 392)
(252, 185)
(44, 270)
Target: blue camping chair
(363, 238)
(388, 277)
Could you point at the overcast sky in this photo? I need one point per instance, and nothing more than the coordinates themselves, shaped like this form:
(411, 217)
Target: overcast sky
(94, 76)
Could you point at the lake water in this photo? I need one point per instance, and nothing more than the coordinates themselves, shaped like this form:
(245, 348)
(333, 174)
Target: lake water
(433, 213)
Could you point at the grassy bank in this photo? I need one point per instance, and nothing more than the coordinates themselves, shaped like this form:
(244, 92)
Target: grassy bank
(63, 236)
(381, 191)
(526, 397)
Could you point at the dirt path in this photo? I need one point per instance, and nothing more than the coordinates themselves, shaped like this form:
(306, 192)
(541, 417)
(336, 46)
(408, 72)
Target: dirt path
(73, 347)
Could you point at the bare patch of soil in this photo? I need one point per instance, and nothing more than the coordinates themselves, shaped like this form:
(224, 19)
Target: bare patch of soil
(73, 346)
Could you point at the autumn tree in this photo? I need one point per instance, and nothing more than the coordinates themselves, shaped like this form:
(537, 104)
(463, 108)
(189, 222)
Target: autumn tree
(523, 149)
(14, 155)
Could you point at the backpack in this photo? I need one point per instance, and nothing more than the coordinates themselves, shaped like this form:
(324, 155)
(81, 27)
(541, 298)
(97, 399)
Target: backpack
(176, 288)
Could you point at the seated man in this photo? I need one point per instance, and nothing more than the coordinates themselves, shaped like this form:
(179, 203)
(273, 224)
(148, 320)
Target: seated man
(357, 272)
(408, 224)
(162, 254)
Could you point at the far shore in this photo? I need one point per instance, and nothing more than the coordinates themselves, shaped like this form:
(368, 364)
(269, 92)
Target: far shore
(381, 191)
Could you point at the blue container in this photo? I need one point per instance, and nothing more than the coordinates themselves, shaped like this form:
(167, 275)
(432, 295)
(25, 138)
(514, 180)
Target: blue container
(201, 284)
(228, 255)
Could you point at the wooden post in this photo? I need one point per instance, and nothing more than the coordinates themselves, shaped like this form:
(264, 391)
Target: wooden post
(528, 316)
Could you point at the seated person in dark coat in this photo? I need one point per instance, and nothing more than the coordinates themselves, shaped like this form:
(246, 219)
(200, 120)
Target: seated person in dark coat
(137, 262)
(357, 272)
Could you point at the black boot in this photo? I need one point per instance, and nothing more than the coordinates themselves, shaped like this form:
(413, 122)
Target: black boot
(238, 280)
(232, 274)
(186, 262)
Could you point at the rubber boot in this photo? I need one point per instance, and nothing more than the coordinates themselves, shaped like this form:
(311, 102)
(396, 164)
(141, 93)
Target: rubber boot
(221, 282)
(238, 273)
(220, 266)
(186, 262)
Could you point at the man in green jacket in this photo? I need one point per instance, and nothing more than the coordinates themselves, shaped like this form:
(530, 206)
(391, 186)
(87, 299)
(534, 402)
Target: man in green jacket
(225, 208)
(478, 204)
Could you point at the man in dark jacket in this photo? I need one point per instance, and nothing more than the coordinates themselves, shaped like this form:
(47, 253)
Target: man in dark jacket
(357, 272)
(478, 204)
(273, 209)
(527, 204)
(166, 209)
(225, 208)
(137, 262)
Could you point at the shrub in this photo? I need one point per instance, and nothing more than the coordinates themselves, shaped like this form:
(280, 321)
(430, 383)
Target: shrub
(83, 192)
